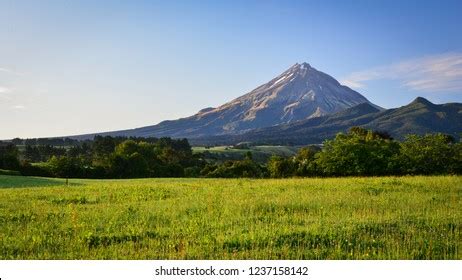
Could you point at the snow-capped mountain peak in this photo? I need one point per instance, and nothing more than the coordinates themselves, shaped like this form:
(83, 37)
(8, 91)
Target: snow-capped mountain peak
(299, 93)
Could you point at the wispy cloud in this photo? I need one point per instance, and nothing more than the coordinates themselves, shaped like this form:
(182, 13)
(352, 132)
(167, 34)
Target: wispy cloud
(434, 73)
(19, 107)
(4, 89)
(9, 71)
(5, 93)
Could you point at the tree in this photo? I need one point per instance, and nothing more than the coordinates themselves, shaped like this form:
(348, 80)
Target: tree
(131, 159)
(82, 150)
(172, 151)
(9, 156)
(279, 167)
(31, 142)
(103, 146)
(360, 152)
(248, 155)
(17, 141)
(305, 164)
(429, 154)
(32, 154)
(456, 166)
(66, 167)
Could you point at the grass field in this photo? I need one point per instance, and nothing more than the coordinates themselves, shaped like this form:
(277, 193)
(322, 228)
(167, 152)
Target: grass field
(348, 218)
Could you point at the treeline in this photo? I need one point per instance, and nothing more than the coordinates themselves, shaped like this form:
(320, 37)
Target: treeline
(362, 152)
(45, 141)
(359, 152)
(104, 157)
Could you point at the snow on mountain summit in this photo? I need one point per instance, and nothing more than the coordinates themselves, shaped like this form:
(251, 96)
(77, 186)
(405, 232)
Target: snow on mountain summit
(299, 93)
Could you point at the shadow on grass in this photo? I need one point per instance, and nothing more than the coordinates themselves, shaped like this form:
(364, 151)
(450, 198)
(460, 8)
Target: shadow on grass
(7, 182)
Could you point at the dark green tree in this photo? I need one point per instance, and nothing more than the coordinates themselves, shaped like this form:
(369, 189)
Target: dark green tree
(9, 156)
(429, 154)
(360, 152)
(305, 164)
(279, 167)
(17, 141)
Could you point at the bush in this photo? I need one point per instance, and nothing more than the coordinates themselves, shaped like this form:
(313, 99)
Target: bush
(28, 169)
(234, 169)
(192, 172)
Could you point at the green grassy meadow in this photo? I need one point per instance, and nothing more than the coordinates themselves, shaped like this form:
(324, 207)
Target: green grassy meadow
(333, 218)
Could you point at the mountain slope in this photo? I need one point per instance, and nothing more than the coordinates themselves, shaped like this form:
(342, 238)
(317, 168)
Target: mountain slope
(419, 117)
(299, 93)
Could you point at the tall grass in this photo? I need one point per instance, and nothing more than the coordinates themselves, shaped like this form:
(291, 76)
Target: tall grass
(347, 218)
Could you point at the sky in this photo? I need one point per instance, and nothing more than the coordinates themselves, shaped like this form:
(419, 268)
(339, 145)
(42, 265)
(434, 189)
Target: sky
(74, 67)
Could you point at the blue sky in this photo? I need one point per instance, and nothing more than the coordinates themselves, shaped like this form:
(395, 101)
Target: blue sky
(71, 67)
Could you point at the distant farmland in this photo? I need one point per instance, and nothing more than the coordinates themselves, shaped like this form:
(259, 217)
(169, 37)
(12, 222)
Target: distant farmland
(259, 153)
(346, 218)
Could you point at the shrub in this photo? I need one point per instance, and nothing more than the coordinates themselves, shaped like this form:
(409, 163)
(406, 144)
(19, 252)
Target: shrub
(27, 169)
(234, 169)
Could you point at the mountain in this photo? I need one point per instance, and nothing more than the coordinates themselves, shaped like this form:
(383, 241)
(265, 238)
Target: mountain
(419, 117)
(299, 93)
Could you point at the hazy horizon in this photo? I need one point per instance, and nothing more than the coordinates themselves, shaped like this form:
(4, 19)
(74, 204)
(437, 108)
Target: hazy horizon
(82, 67)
